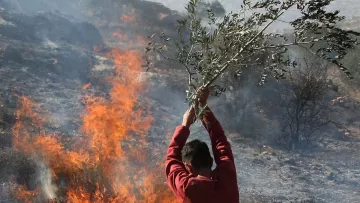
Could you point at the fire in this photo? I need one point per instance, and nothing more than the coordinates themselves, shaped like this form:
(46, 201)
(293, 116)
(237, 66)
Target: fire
(120, 35)
(86, 86)
(109, 162)
(97, 49)
(127, 18)
(23, 194)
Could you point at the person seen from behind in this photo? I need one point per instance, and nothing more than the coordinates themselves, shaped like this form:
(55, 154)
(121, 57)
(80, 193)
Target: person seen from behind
(189, 165)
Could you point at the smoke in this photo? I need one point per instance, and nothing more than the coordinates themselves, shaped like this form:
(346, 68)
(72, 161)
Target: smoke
(46, 181)
(60, 61)
(65, 7)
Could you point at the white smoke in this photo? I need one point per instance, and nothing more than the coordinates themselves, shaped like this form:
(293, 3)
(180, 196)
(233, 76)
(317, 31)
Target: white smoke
(45, 178)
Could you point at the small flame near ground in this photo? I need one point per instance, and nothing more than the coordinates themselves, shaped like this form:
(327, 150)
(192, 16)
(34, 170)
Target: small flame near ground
(109, 162)
(86, 86)
(127, 18)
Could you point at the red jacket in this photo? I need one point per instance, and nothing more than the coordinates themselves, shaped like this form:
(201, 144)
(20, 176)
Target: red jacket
(222, 187)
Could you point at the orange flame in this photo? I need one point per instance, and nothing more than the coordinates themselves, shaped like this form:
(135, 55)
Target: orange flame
(23, 194)
(86, 86)
(120, 35)
(103, 165)
(127, 18)
(97, 49)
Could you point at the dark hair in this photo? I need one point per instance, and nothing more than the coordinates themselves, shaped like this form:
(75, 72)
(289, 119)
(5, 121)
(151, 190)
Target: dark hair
(197, 153)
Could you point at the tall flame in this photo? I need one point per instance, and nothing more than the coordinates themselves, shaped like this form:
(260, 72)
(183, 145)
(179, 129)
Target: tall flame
(109, 162)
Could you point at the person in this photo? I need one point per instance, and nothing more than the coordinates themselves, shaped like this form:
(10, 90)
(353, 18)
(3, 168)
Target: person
(189, 166)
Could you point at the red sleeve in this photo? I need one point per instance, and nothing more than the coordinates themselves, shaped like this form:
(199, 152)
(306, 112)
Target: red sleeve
(220, 145)
(223, 155)
(177, 175)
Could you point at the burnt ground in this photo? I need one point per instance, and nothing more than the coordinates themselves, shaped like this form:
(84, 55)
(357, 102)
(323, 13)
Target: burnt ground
(50, 71)
(49, 57)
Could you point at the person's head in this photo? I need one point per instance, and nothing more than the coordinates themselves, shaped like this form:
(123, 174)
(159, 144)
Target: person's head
(196, 156)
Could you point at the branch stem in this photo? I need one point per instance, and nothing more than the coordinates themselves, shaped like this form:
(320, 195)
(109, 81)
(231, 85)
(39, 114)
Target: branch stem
(226, 65)
(283, 45)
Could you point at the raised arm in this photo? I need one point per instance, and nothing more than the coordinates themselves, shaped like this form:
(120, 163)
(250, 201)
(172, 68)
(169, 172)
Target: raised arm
(220, 145)
(177, 175)
(175, 170)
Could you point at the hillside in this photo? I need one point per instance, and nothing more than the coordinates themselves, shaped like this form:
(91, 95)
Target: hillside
(58, 57)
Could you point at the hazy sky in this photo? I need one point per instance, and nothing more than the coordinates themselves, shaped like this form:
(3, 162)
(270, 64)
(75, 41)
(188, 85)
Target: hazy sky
(347, 7)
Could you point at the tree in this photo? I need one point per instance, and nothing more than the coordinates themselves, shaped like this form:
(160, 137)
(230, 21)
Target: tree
(305, 108)
(238, 40)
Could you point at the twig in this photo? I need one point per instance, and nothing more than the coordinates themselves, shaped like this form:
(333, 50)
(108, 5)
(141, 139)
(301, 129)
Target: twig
(315, 54)
(241, 51)
(283, 21)
(311, 51)
(187, 68)
(285, 45)
(165, 57)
